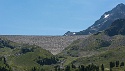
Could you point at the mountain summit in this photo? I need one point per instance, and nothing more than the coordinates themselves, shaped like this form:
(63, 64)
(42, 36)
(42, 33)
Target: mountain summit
(105, 21)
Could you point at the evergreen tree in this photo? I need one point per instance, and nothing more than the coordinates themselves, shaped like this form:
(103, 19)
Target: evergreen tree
(57, 68)
(117, 63)
(73, 66)
(112, 64)
(97, 68)
(34, 69)
(67, 68)
(47, 61)
(82, 68)
(122, 64)
(102, 67)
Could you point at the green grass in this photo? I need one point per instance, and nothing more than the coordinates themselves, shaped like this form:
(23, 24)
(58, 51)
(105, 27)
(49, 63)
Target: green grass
(117, 54)
(27, 61)
(91, 50)
(69, 60)
(20, 61)
(82, 51)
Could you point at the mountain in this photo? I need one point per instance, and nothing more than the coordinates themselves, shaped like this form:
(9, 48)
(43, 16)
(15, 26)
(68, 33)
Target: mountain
(99, 48)
(69, 33)
(105, 21)
(110, 38)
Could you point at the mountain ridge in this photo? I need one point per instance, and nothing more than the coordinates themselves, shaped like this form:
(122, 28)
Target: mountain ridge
(99, 48)
(107, 39)
(104, 22)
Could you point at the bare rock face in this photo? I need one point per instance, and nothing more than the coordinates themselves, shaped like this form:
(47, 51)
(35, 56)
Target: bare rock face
(55, 44)
(117, 28)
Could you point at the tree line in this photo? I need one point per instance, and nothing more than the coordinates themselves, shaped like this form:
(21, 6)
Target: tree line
(47, 61)
(90, 67)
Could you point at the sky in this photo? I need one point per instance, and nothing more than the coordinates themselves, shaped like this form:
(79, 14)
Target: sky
(50, 17)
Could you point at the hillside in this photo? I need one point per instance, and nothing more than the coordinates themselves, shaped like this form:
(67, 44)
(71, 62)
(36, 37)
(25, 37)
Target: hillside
(100, 48)
(87, 47)
(112, 60)
(110, 38)
(23, 57)
(55, 44)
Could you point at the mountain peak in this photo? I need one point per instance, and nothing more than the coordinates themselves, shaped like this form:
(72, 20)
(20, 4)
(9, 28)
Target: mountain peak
(120, 5)
(105, 20)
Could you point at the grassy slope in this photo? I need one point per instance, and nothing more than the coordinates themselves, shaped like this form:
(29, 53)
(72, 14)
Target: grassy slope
(27, 61)
(92, 45)
(116, 54)
(23, 61)
(90, 50)
(81, 51)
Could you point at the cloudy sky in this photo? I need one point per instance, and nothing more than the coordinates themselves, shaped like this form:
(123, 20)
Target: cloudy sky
(50, 17)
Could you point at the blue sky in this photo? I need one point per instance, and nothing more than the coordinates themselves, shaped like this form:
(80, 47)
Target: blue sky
(50, 17)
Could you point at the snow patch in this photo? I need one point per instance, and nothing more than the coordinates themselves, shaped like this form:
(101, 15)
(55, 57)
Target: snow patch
(106, 16)
(74, 33)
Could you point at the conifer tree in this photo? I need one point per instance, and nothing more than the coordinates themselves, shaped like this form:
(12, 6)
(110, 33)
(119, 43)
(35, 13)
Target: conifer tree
(117, 63)
(67, 68)
(122, 64)
(102, 67)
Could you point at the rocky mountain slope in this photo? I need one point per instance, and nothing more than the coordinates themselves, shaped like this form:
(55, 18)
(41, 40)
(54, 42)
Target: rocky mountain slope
(100, 48)
(117, 28)
(55, 44)
(110, 38)
(104, 22)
